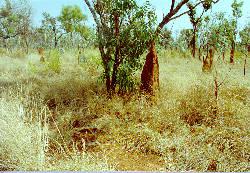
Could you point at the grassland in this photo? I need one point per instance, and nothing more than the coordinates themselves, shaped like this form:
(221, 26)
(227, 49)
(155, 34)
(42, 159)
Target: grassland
(63, 120)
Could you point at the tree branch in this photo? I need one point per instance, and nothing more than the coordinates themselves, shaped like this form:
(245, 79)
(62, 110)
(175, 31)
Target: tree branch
(92, 10)
(9, 36)
(172, 5)
(173, 11)
(61, 35)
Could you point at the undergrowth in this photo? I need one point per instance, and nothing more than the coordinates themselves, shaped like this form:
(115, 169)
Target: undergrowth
(63, 120)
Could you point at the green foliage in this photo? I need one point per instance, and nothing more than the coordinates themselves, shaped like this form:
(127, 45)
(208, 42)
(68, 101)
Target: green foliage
(48, 21)
(72, 19)
(236, 6)
(245, 35)
(219, 32)
(233, 24)
(216, 31)
(166, 38)
(125, 46)
(53, 61)
(32, 67)
(14, 19)
(185, 38)
(126, 78)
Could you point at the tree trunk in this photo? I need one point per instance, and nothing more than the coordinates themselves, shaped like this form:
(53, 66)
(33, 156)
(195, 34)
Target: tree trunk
(105, 59)
(27, 45)
(107, 79)
(150, 72)
(245, 63)
(200, 53)
(5, 45)
(55, 41)
(107, 75)
(117, 54)
(72, 39)
(223, 56)
(55, 38)
(194, 42)
(232, 52)
(114, 77)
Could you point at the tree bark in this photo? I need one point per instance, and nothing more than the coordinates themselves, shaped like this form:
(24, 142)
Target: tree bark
(232, 52)
(105, 60)
(223, 55)
(117, 53)
(26, 44)
(245, 63)
(194, 42)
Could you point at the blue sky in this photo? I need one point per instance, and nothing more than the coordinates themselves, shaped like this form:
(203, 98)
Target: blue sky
(161, 6)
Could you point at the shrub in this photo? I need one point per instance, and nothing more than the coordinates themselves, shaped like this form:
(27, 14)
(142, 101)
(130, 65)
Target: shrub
(53, 61)
(198, 107)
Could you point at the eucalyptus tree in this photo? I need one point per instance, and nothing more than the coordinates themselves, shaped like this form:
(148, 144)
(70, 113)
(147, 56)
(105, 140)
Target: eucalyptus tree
(245, 36)
(124, 30)
(15, 20)
(25, 25)
(237, 13)
(166, 39)
(184, 39)
(124, 21)
(51, 28)
(245, 44)
(195, 20)
(72, 21)
(215, 33)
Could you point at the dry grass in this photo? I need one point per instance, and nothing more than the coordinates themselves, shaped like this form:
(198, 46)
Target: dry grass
(64, 121)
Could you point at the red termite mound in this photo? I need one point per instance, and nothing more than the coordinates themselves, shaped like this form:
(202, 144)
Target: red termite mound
(41, 54)
(150, 72)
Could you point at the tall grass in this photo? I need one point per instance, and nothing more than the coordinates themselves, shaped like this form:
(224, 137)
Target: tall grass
(22, 145)
(46, 117)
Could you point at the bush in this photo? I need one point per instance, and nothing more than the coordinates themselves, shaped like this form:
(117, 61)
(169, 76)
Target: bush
(198, 107)
(53, 61)
(52, 64)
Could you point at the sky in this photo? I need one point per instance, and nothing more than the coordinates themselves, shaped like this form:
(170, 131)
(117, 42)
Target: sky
(161, 7)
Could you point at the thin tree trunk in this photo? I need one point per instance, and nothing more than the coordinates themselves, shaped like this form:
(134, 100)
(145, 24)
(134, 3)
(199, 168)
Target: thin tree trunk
(200, 53)
(105, 59)
(114, 76)
(194, 42)
(232, 52)
(27, 45)
(223, 56)
(245, 63)
(107, 79)
(117, 54)
(5, 44)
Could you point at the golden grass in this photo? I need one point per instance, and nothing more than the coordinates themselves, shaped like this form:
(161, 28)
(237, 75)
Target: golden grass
(184, 128)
